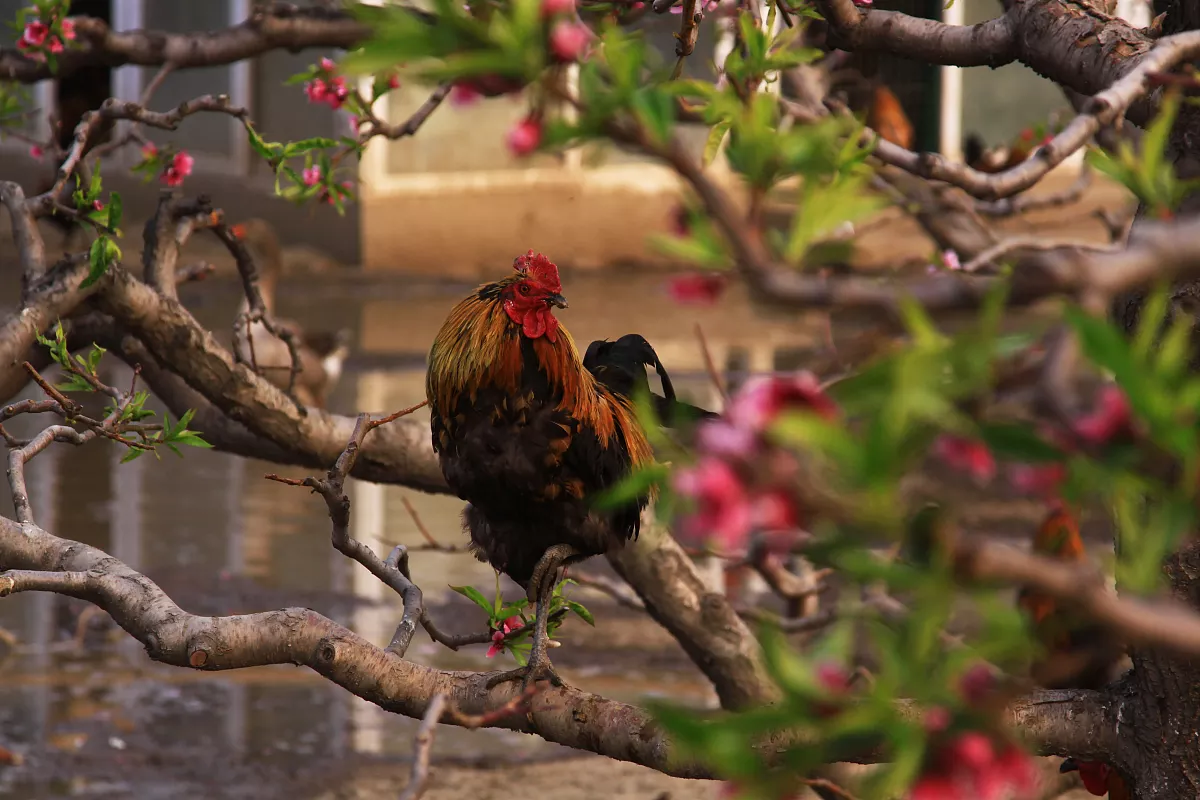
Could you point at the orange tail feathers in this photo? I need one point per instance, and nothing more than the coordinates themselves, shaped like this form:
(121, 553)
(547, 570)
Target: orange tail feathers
(888, 119)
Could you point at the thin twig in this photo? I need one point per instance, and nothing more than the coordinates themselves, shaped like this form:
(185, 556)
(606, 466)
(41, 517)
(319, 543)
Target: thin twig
(422, 748)
(433, 543)
(713, 374)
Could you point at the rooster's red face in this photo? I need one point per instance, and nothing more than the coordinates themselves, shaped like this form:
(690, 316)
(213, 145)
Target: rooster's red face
(528, 301)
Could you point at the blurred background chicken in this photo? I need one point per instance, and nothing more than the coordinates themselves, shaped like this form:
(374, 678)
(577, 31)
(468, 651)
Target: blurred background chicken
(528, 435)
(322, 354)
(886, 116)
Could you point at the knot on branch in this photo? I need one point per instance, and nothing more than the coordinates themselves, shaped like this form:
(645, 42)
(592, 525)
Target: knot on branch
(327, 651)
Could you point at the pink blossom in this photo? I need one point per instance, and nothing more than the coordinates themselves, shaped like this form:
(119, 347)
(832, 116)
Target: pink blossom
(149, 151)
(832, 677)
(936, 719)
(977, 683)
(34, 35)
(950, 260)
(97, 205)
(763, 398)
(507, 627)
(723, 507)
(551, 8)
(970, 767)
(54, 44)
(463, 94)
(312, 175)
(569, 40)
(697, 289)
(719, 438)
(327, 64)
(36, 152)
(332, 92)
(68, 29)
(775, 510)
(1037, 479)
(1111, 416)
(524, 137)
(179, 168)
(394, 82)
(966, 454)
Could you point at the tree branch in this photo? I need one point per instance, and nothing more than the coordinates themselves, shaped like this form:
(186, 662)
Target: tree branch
(270, 27)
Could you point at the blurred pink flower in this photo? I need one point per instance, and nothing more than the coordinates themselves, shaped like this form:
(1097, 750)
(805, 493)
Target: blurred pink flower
(723, 508)
(524, 137)
(966, 454)
(36, 152)
(463, 94)
(717, 437)
(569, 40)
(762, 399)
(1038, 479)
(950, 260)
(1110, 417)
(34, 34)
(977, 683)
(970, 768)
(68, 29)
(698, 288)
(312, 175)
(552, 8)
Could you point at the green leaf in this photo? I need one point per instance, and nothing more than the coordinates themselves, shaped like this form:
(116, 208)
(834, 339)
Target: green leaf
(581, 612)
(712, 145)
(101, 255)
(633, 486)
(114, 210)
(475, 596)
(1018, 442)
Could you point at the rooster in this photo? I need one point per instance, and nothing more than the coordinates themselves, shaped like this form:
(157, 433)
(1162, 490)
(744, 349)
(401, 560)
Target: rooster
(527, 434)
(1080, 655)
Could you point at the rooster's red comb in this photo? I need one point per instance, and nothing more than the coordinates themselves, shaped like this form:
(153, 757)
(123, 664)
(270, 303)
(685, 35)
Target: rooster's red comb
(540, 268)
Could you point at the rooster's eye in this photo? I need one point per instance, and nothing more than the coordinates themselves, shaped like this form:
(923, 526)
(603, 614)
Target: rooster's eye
(524, 288)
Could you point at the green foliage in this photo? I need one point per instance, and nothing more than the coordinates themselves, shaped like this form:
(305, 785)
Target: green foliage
(130, 416)
(1148, 173)
(520, 642)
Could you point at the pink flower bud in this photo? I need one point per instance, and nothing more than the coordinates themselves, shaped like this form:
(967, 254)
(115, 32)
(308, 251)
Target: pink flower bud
(697, 289)
(36, 152)
(312, 175)
(569, 40)
(328, 65)
(68, 29)
(525, 136)
(966, 454)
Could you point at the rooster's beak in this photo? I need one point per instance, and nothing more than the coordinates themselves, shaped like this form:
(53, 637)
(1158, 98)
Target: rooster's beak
(557, 300)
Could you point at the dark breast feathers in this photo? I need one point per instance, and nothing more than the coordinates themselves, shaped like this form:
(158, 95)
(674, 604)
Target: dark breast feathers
(529, 449)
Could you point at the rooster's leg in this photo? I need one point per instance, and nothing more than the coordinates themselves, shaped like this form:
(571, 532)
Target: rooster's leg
(541, 591)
